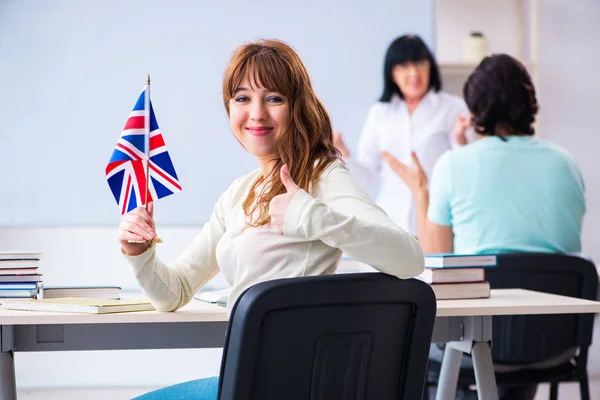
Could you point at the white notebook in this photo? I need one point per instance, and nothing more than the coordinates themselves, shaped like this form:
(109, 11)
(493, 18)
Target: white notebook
(19, 255)
(213, 296)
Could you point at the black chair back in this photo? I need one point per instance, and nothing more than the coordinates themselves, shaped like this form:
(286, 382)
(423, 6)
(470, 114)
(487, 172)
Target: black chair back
(339, 337)
(528, 339)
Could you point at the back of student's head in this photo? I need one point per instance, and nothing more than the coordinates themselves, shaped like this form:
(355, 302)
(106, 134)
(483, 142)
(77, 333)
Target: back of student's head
(501, 97)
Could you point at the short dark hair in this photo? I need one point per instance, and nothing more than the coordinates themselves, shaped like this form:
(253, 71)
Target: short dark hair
(407, 48)
(501, 97)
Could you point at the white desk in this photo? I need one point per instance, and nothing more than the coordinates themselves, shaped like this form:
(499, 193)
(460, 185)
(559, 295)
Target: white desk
(465, 324)
(466, 327)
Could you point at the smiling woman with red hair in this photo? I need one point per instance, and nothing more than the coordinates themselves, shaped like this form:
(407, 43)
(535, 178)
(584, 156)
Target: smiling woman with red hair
(291, 217)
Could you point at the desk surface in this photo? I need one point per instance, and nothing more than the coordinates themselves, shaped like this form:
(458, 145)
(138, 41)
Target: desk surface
(516, 302)
(501, 302)
(195, 311)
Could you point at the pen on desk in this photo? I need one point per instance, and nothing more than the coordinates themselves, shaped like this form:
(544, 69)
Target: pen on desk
(222, 302)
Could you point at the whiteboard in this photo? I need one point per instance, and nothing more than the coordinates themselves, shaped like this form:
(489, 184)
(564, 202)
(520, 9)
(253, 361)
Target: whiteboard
(71, 71)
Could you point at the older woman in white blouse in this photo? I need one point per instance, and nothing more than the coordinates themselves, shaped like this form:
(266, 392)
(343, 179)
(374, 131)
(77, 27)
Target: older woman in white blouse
(412, 114)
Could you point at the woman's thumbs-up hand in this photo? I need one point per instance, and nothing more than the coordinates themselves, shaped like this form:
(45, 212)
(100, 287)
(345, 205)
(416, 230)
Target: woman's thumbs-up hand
(280, 203)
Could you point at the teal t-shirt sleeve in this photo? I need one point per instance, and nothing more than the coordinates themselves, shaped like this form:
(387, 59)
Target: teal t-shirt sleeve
(440, 186)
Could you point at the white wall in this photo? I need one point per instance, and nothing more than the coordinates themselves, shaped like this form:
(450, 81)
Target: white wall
(569, 83)
(569, 86)
(90, 256)
(458, 18)
(71, 71)
(566, 76)
(68, 73)
(87, 255)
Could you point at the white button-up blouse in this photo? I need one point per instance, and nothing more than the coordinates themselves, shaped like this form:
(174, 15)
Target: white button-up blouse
(390, 127)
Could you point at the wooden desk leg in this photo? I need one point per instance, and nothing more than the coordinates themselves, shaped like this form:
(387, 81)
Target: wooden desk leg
(449, 374)
(8, 389)
(483, 367)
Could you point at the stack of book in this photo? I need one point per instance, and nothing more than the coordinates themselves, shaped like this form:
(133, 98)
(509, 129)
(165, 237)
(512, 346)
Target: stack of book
(19, 277)
(457, 276)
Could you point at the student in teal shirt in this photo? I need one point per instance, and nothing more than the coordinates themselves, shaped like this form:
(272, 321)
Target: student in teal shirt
(507, 192)
(520, 193)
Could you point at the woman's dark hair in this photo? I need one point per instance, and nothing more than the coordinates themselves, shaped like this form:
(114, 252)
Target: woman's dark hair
(407, 48)
(501, 97)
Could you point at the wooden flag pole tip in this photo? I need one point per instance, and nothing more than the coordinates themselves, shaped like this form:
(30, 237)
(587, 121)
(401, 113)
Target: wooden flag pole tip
(155, 240)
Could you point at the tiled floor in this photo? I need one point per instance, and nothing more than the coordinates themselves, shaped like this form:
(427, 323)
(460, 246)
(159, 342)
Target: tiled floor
(568, 391)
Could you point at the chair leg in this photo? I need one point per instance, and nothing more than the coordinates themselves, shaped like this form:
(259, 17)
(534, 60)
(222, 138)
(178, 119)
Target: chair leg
(553, 391)
(426, 391)
(584, 387)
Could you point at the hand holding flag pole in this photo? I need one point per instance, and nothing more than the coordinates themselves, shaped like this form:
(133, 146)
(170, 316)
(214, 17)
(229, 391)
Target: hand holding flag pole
(140, 169)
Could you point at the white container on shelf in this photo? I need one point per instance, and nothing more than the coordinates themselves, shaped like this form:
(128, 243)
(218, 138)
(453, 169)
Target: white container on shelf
(474, 48)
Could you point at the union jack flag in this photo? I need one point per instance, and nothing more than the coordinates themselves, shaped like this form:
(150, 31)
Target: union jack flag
(126, 170)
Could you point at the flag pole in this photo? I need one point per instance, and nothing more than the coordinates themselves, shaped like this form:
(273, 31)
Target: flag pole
(147, 147)
(147, 154)
(147, 137)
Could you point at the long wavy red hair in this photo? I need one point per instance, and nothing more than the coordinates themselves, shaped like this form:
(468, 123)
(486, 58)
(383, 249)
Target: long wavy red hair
(307, 145)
